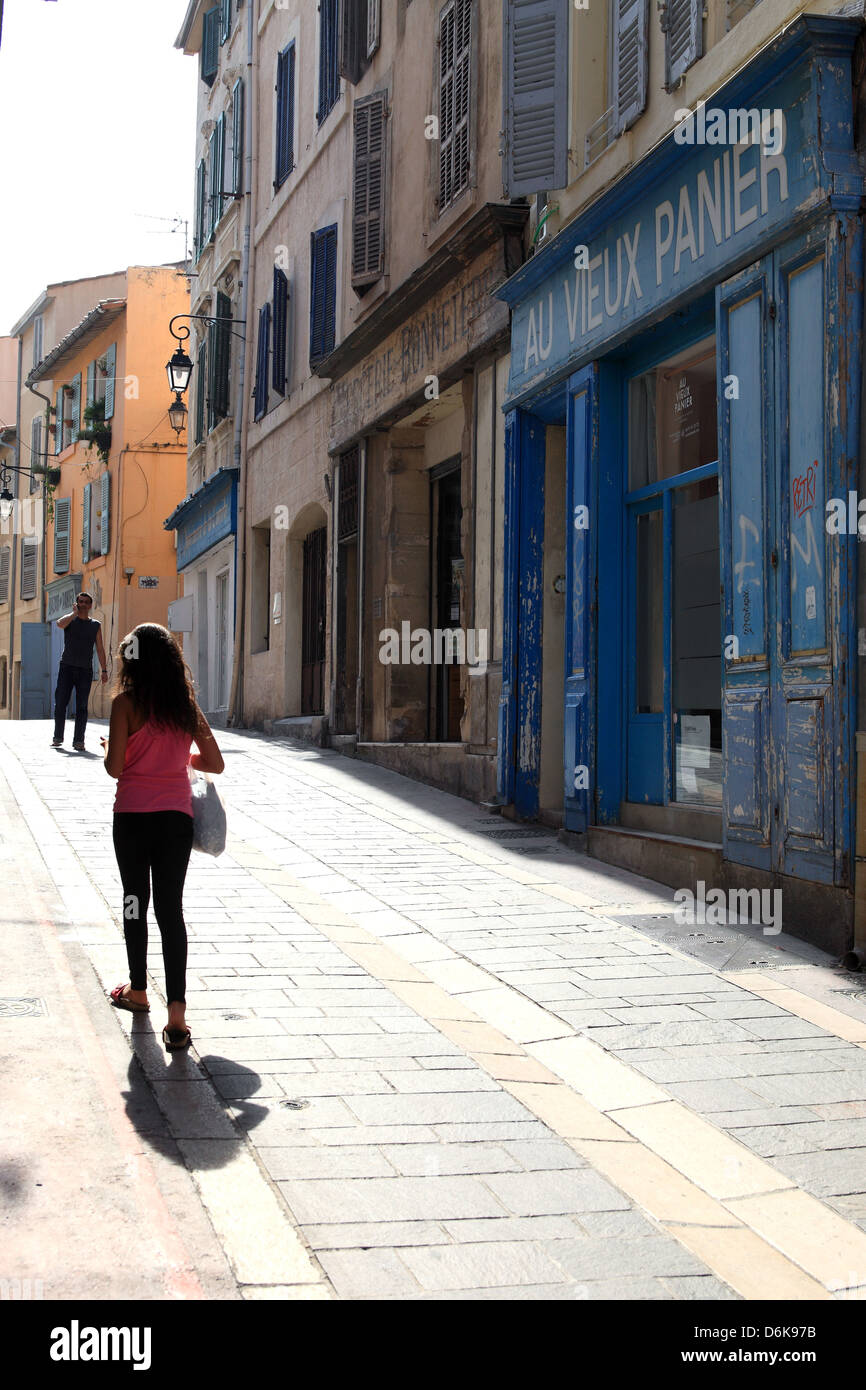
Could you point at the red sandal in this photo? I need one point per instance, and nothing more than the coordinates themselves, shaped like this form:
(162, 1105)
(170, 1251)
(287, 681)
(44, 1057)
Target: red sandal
(122, 1001)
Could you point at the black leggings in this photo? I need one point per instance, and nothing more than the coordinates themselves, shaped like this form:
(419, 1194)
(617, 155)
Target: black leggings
(154, 846)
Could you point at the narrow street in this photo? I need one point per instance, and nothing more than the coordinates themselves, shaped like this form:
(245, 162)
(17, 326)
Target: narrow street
(436, 1055)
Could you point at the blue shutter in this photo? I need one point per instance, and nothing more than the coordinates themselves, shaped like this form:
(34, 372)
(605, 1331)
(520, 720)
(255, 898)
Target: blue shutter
(261, 391)
(62, 518)
(329, 77)
(210, 45)
(238, 138)
(110, 371)
(281, 318)
(630, 62)
(285, 142)
(85, 524)
(323, 298)
(536, 98)
(104, 519)
(76, 408)
(682, 22)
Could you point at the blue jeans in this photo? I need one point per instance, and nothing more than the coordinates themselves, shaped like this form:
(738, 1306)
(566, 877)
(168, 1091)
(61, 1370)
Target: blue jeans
(69, 678)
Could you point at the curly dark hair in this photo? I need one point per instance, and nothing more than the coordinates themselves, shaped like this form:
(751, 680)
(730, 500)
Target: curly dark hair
(156, 678)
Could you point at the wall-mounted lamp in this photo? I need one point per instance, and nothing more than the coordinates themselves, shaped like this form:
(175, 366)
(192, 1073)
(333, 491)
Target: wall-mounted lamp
(128, 572)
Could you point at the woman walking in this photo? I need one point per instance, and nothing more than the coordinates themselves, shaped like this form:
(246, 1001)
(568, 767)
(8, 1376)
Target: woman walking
(154, 721)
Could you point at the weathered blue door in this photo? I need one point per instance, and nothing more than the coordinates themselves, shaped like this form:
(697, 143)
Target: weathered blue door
(581, 460)
(35, 670)
(787, 581)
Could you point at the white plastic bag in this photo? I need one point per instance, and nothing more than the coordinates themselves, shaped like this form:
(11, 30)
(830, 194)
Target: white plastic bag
(208, 815)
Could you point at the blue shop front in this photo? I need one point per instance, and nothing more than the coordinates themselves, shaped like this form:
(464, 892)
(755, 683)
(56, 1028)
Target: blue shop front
(682, 427)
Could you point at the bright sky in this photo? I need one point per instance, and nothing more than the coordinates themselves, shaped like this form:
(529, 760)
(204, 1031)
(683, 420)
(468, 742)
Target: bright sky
(97, 126)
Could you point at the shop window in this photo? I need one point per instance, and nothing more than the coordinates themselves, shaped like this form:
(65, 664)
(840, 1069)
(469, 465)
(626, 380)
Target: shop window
(329, 74)
(672, 420)
(454, 80)
(368, 199)
(260, 607)
(323, 293)
(285, 141)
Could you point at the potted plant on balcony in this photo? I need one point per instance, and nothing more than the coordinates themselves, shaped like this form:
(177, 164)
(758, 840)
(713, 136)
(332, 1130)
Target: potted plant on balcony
(97, 430)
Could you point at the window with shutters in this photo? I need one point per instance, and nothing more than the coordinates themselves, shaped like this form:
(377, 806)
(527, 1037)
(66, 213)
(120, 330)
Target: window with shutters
(37, 339)
(323, 292)
(329, 74)
(29, 555)
(682, 25)
(62, 525)
(219, 361)
(5, 567)
(373, 26)
(455, 71)
(86, 521)
(238, 138)
(58, 422)
(36, 452)
(210, 45)
(260, 394)
(103, 518)
(225, 20)
(285, 135)
(216, 172)
(357, 20)
(630, 62)
(201, 217)
(536, 105)
(281, 327)
(110, 357)
(368, 198)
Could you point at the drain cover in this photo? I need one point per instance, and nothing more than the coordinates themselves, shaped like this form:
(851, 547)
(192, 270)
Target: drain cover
(294, 1104)
(528, 834)
(851, 993)
(22, 1008)
(233, 1018)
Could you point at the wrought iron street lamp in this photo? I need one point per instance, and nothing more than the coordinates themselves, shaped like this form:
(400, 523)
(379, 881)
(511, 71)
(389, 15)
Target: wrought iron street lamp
(177, 414)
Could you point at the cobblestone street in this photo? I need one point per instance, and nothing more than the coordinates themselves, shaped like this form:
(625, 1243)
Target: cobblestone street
(437, 1055)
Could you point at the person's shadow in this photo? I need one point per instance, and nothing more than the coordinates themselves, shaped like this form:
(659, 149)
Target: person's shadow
(173, 1099)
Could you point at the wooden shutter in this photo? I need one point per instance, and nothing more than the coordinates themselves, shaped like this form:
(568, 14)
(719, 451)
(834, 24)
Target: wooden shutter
(110, 372)
(281, 318)
(225, 20)
(201, 391)
(323, 298)
(630, 62)
(536, 96)
(200, 207)
(261, 391)
(455, 52)
(5, 556)
(211, 375)
(373, 26)
(353, 39)
(29, 553)
(222, 342)
(62, 519)
(285, 143)
(36, 459)
(368, 242)
(85, 523)
(210, 45)
(75, 432)
(104, 513)
(329, 78)
(238, 138)
(682, 23)
(58, 422)
(217, 152)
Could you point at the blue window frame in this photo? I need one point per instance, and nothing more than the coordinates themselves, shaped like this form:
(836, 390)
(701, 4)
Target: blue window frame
(329, 72)
(285, 140)
(323, 292)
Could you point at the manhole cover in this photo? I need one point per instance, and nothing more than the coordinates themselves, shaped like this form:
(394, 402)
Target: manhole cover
(515, 834)
(22, 1008)
(541, 849)
(294, 1104)
(851, 993)
(233, 1018)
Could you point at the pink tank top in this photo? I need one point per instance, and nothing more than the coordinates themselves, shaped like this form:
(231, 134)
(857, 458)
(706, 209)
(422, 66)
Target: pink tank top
(154, 776)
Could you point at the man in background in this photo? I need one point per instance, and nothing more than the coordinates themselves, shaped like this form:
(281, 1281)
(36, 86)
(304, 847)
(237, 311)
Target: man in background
(82, 634)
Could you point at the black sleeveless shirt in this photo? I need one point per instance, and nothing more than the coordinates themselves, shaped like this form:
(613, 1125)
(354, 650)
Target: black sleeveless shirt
(79, 641)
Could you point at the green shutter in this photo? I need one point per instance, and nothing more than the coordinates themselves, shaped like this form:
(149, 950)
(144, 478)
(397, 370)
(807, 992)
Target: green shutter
(238, 138)
(91, 384)
(62, 518)
(106, 498)
(210, 40)
(85, 525)
(110, 370)
(222, 357)
(201, 391)
(58, 422)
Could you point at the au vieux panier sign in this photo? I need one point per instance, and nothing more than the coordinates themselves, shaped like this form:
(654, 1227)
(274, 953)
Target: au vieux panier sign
(703, 214)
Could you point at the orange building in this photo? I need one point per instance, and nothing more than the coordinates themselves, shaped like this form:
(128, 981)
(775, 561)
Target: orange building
(122, 470)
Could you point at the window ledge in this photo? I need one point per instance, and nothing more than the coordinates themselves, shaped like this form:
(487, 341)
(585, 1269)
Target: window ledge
(438, 231)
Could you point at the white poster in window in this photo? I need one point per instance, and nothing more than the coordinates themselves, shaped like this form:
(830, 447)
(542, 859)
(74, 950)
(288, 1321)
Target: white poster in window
(694, 740)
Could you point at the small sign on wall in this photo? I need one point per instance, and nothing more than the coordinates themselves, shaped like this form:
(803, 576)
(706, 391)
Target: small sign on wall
(148, 581)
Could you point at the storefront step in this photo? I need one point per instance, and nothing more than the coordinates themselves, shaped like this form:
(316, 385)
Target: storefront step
(305, 728)
(670, 859)
(685, 822)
